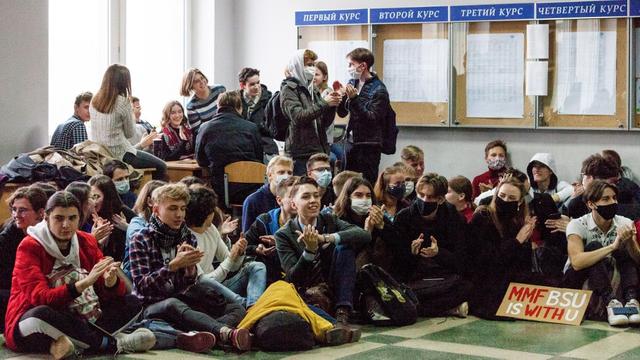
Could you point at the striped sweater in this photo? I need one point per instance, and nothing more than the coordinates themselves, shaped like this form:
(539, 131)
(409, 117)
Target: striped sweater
(200, 111)
(112, 130)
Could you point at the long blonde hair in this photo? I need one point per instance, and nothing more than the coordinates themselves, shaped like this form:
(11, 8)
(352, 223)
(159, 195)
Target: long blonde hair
(116, 81)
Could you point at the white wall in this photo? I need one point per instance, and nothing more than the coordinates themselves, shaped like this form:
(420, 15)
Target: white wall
(23, 76)
(269, 38)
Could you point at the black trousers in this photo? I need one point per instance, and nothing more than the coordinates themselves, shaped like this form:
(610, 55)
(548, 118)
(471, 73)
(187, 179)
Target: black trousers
(364, 159)
(598, 275)
(41, 325)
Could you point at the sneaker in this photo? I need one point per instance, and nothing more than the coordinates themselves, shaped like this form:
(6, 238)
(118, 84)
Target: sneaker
(634, 319)
(616, 320)
(62, 348)
(342, 315)
(196, 341)
(460, 311)
(241, 339)
(138, 341)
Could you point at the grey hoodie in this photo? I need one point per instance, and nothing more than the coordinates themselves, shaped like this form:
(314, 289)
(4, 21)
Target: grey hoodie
(563, 189)
(41, 233)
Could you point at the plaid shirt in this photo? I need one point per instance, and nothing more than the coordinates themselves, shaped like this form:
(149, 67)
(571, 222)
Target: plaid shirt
(69, 133)
(152, 279)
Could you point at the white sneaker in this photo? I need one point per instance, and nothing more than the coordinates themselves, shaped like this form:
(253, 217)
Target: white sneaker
(616, 320)
(634, 319)
(460, 311)
(138, 341)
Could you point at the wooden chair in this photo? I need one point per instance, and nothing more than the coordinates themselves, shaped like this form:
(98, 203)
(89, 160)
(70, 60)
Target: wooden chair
(243, 172)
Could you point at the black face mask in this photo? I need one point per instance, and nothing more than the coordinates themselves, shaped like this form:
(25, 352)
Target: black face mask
(607, 211)
(397, 191)
(506, 208)
(426, 207)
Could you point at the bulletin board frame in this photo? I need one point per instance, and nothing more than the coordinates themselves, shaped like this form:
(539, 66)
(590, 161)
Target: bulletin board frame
(419, 114)
(550, 119)
(460, 118)
(634, 115)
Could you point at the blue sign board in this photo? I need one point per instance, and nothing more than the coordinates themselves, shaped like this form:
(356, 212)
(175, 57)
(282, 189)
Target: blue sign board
(634, 7)
(332, 17)
(492, 12)
(590, 9)
(410, 15)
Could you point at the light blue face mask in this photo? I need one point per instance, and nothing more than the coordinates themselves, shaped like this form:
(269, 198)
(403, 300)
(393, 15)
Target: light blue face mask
(323, 178)
(282, 177)
(122, 186)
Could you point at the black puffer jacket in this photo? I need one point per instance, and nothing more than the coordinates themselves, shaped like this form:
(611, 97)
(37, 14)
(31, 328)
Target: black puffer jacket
(309, 119)
(225, 139)
(256, 115)
(367, 112)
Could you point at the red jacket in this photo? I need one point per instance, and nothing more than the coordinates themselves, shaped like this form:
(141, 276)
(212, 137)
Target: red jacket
(29, 286)
(488, 177)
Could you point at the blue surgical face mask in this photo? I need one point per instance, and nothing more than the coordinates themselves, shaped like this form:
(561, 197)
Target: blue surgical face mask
(122, 186)
(323, 178)
(361, 206)
(282, 177)
(408, 188)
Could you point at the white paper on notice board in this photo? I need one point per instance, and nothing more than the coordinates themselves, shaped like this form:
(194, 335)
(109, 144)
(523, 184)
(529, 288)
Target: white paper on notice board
(416, 70)
(495, 75)
(637, 47)
(586, 73)
(536, 78)
(334, 54)
(538, 41)
(637, 96)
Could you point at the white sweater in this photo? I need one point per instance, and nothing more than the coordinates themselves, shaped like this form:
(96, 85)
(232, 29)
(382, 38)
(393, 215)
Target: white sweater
(113, 129)
(214, 248)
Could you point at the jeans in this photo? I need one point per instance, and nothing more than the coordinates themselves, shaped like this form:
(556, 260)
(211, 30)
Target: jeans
(145, 160)
(598, 275)
(250, 280)
(182, 316)
(300, 166)
(338, 268)
(364, 159)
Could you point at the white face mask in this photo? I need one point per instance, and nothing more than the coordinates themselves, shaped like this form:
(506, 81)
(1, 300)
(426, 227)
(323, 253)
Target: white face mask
(309, 73)
(361, 206)
(282, 177)
(408, 188)
(354, 73)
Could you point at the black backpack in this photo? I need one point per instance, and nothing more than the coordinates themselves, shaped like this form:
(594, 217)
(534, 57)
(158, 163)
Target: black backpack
(283, 331)
(384, 301)
(274, 118)
(389, 133)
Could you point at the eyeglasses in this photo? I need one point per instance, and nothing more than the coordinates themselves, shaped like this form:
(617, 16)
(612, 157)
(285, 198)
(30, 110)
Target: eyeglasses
(20, 211)
(321, 169)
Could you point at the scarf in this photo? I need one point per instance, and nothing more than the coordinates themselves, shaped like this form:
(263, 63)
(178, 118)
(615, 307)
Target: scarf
(173, 135)
(166, 237)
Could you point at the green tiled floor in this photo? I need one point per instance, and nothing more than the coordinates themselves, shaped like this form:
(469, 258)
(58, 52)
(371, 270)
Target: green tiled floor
(447, 339)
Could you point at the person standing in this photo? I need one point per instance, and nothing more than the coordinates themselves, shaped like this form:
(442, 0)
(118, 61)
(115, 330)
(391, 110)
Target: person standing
(366, 101)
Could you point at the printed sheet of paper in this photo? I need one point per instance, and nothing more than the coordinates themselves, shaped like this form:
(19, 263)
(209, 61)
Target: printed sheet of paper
(416, 70)
(538, 41)
(334, 54)
(637, 37)
(637, 96)
(586, 73)
(495, 75)
(536, 79)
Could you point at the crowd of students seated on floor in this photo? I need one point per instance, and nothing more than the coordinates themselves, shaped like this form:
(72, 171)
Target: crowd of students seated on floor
(165, 262)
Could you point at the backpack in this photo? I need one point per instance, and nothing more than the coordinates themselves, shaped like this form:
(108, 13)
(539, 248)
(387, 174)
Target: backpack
(283, 331)
(384, 301)
(275, 120)
(389, 133)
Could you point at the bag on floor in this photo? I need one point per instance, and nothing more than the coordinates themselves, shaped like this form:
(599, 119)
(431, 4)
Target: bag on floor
(283, 331)
(384, 301)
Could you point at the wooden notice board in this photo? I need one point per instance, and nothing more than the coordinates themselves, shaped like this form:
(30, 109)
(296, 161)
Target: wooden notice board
(308, 34)
(460, 33)
(412, 113)
(551, 118)
(634, 74)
